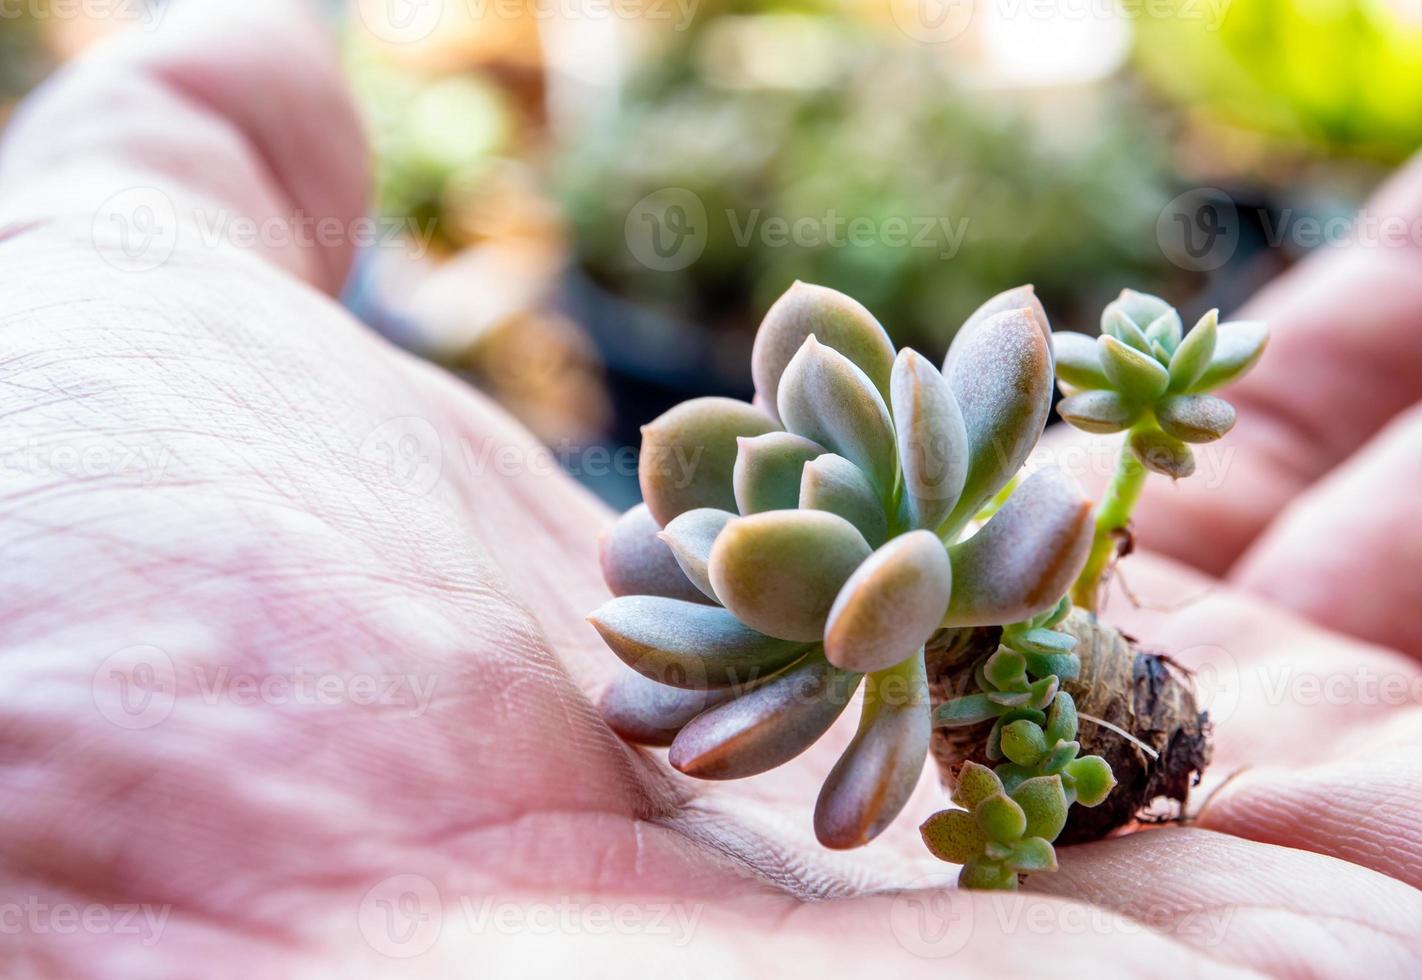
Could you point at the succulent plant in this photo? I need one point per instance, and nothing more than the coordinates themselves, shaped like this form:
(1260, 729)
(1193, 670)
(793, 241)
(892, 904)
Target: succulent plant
(792, 549)
(1146, 376)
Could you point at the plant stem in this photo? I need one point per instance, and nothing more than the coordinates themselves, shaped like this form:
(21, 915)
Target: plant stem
(1112, 516)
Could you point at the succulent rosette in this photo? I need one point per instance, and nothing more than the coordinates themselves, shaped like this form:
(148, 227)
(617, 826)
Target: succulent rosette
(792, 550)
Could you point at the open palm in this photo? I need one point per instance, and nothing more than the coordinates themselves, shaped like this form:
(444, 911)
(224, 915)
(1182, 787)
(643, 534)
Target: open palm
(296, 672)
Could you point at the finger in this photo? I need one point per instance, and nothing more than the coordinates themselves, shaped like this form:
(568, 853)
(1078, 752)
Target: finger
(1348, 553)
(1344, 358)
(228, 122)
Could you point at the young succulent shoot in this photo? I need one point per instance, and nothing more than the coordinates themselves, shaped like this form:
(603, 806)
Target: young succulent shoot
(796, 549)
(1145, 376)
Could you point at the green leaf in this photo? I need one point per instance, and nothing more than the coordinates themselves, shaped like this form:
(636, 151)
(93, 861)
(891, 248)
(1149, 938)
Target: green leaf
(987, 876)
(967, 710)
(1023, 560)
(877, 773)
(1093, 778)
(688, 455)
(1193, 355)
(1061, 754)
(1141, 309)
(1000, 371)
(1066, 666)
(1023, 743)
(1040, 639)
(689, 645)
(836, 320)
(1135, 374)
(1098, 411)
(932, 440)
(1013, 775)
(975, 783)
(1000, 818)
(1118, 326)
(1044, 802)
(647, 713)
(1165, 332)
(1162, 453)
(832, 483)
(780, 571)
(825, 397)
(953, 836)
(1006, 670)
(1195, 418)
(1078, 361)
(767, 471)
(891, 605)
(1043, 691)
(690, 537)
(636, 562)
(1033, 854)
(1238, 348)
(767, 726)
(1061, 718)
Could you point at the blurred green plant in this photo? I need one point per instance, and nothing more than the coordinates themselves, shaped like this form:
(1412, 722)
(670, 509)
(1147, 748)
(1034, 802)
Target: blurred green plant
(794, 118)
(1344, 76)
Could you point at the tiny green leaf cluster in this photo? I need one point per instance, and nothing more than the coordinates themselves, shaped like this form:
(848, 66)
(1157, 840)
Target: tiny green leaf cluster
(1145, 374)
(1014, 811)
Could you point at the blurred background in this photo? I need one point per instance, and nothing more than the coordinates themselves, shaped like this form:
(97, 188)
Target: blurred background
(585, 206)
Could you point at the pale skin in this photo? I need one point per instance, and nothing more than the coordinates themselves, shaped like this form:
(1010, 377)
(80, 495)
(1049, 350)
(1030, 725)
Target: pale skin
(261, 541)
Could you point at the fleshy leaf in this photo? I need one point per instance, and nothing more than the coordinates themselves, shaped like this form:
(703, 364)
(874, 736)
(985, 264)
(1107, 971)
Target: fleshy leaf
(891, 605)
(952, 836)
(1024, 559)
(1044, 801)
(647, 713)
(1098, 411)
(1195, 418)
(1000, 372)
(1119, 326)
(877, 773)
(1136, 375)
(689, 452)
(635, 562)
(967, 710)
(1162, 453)
(1023, 743)
(1092, 778)
(766, 727)
(1061, 718)
(780, 571)
(932, 439)
(974, 784)
(1001, 818)
(1237, 349)
(1141, 309)
(767, 471)
(1033, 854)
(1165, 332)
(1078, 361)
(987, 875)
(1061, 754)
(836, 320)
(833, 483)
(688, 645)
(825, 397)
(1017, 298)
(1193, 355)
(690, 537)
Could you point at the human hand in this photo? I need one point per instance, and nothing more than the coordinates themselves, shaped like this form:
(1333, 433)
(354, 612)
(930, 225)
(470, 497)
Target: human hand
(296, 664)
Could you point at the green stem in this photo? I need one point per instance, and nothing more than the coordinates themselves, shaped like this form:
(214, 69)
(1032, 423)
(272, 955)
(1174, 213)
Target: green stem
(1112, 516)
